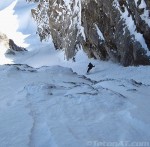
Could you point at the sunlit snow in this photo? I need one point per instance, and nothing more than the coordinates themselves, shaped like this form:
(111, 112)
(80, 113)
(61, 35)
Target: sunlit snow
(9, 25)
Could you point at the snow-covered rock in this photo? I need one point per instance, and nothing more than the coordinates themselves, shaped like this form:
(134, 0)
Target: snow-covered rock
(62, 20)
(116, 29)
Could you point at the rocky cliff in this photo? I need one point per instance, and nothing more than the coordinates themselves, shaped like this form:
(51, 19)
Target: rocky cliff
(106, 29)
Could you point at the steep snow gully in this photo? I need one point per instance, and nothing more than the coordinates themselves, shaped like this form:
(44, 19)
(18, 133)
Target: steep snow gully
(53, 106)
(46, 101)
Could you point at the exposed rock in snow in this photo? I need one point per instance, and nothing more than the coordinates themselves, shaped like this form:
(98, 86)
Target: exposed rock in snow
(61, 19)
(13, 47)
(124, 25)
(9, 45)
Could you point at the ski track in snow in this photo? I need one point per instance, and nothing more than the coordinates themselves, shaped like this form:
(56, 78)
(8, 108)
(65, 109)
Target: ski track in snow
(48, 105)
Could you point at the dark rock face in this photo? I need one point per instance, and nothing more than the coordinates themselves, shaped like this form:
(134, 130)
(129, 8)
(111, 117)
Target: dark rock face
(9, 44)
(120, 42)
(14, 47)
(107, 29)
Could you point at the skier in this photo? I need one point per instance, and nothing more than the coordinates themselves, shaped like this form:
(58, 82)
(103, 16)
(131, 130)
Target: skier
(90, 66)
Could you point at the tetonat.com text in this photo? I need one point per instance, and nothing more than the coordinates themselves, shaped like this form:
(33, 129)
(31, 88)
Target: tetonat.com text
(118, 144)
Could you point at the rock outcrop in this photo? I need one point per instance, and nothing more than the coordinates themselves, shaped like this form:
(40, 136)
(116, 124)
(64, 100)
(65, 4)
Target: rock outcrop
(9, 44)
(106, 29)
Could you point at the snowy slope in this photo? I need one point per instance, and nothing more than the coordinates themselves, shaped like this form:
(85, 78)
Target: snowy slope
(52, 106)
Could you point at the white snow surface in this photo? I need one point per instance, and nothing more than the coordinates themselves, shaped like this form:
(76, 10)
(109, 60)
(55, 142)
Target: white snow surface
(99, 33)
(46, 101)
